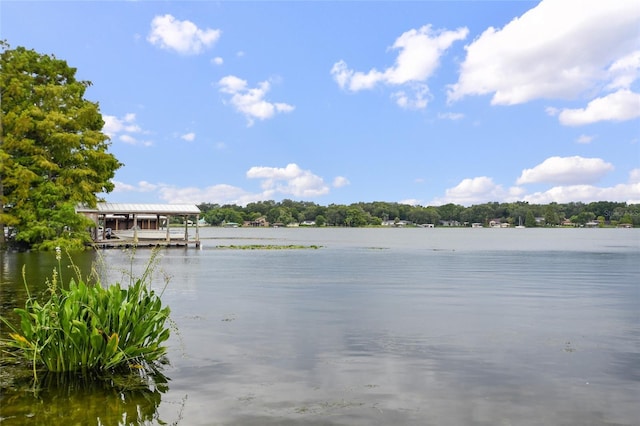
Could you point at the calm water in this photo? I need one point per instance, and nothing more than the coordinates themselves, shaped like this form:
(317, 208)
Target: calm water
(379, 326)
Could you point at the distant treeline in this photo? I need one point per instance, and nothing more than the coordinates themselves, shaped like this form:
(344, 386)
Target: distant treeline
(287, 212)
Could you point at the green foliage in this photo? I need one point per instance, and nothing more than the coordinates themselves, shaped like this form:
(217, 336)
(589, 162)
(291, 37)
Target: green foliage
(356, 216)
(583, 217)
(551, 217)
(421, 215)
(530, 220)
(626, 219)
(90, 328)
(53, 152)
(223, 215)
(373, 213)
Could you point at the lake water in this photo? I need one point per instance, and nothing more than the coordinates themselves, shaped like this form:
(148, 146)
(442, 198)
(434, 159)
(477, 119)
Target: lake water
(378, 326)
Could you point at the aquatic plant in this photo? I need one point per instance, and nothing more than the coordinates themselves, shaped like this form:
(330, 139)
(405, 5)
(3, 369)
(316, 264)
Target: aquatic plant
(90, 328)
(268, 247)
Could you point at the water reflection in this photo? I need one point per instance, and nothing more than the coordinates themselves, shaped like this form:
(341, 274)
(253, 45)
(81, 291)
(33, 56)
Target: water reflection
(82, 400)
(18, 268)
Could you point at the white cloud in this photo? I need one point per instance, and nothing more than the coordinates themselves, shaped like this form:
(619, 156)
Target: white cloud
(183, 37)
(478, 190)
(419, 53)
(629, 193)
(417, 98)
(482, 189)
(286, 181)
(289, 180)
(251, 101)
(585, 139)
(217, 60)
(340, 181)
(552, 111)
(450, 116)
(122, 187)
(566, 170)
(232, 84)
(189, 137)
(410, 202)
(625, 71)
(124, 129)
(619, 106)
(127, 139)
(221, 194)
(145, 186)
(114, 125)
(142, 186)
(558, 49)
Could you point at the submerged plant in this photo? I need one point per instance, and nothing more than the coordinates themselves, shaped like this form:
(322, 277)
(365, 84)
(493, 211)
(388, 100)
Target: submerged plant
(90, 328)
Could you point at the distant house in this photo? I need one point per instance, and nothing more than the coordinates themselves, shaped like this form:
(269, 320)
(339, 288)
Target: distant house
(495, 223)
(449, 223)
(592, 224)
(397, 224)
(259, 222)
(476, 225)
(308, 223)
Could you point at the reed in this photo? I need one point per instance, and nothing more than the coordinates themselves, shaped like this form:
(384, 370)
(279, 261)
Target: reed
(90, 328)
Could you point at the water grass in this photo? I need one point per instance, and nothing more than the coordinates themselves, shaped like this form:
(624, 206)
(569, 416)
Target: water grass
(89, 328)
(268, 247)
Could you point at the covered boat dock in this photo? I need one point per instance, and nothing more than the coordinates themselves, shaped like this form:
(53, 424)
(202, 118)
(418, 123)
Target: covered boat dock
(127, 225)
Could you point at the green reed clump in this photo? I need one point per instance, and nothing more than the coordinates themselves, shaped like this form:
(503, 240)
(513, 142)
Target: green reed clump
(90, 328)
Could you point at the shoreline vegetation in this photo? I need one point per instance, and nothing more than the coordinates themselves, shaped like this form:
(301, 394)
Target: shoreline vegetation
(85, 330)
(289, 213)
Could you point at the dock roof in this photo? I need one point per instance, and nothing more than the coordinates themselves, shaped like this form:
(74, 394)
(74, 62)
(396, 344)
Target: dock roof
(129, 208)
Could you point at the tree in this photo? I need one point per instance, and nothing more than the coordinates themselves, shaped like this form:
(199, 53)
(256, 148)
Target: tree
(280, 215)
(356, 217)
(626, 219)
(450, 211)
(583, 217)
(336, 214)
(421, 215)
(480, 213)
(551, 217)
(52, 150)
(530, 220)
(223, 215)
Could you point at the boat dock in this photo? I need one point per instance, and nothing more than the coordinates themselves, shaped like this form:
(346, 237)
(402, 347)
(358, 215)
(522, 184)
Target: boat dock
(141, 225)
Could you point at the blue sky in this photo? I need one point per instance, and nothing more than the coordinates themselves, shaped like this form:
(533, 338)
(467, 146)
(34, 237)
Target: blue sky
(422, 102)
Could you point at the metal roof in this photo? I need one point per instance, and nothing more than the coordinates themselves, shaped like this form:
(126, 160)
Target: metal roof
(127, 208)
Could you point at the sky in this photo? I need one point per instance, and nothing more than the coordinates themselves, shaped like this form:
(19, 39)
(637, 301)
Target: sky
(417, 102)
